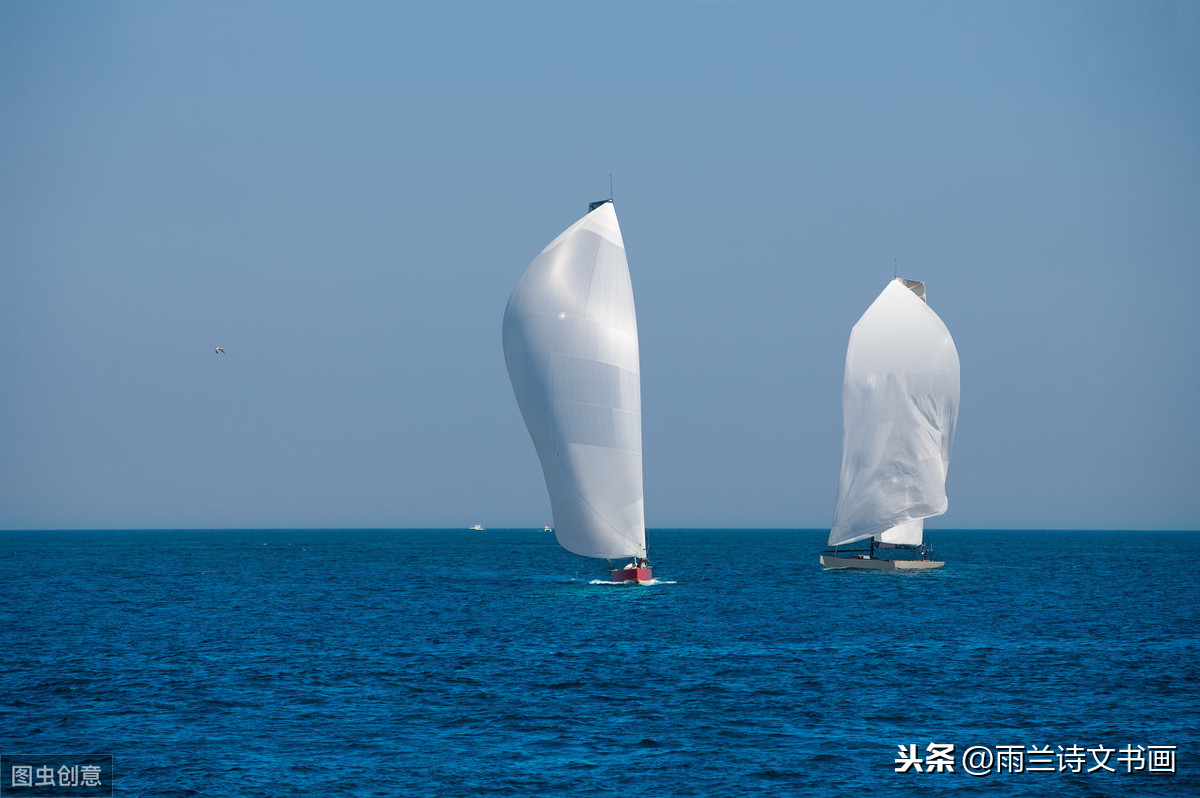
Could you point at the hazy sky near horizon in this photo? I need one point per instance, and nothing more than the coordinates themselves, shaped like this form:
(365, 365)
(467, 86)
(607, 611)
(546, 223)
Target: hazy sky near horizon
(343, 195)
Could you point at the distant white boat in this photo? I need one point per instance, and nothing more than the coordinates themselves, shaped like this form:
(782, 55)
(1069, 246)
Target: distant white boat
(571, 348)
(899, 410)
(546, 528)
(478, 528)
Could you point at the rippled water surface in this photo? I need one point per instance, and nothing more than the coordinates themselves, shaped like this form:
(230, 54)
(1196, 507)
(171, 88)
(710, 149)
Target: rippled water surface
(407, 662)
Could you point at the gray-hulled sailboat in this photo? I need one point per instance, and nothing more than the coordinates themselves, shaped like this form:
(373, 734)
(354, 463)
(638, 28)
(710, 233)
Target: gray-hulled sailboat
(571, 347)
(899, 410)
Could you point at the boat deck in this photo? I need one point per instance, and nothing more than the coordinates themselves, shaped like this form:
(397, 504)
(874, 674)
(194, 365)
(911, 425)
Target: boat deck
(876, 564)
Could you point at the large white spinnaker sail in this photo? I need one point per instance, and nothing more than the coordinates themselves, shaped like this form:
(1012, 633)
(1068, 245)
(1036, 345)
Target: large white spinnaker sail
(899, 410)
(571, 347)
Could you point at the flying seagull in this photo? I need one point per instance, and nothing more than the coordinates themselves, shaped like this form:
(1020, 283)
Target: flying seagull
(219, 351)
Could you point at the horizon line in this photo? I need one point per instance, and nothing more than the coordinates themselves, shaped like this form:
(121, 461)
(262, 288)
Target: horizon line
(535, 528)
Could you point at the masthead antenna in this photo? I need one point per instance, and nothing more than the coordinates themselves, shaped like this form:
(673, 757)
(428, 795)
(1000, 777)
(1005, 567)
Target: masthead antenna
(610, 188)
(895, 268)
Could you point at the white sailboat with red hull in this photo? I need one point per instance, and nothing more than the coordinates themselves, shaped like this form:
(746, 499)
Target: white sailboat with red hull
(899, 411)
(571, 348)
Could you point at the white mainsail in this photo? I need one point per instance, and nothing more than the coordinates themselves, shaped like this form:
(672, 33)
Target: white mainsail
(899, 410)
(571, 347)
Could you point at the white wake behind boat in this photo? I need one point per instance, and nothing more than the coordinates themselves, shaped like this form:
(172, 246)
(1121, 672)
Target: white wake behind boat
(899, 410)
(571, 348)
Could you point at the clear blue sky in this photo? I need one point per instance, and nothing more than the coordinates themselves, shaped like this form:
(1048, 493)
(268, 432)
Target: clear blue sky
(342, 195)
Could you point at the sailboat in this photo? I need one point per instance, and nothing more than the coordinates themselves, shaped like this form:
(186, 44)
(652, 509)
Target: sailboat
(899, 411)
(571, 347)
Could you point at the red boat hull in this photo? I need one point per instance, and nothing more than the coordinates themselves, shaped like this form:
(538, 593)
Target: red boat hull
(632, 575)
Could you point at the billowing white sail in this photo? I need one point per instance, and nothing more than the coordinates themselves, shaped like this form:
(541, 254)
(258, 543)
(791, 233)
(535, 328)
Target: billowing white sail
(571, 346)
(899, 410)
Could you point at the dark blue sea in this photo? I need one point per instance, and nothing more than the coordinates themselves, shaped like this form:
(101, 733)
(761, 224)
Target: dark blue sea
(455, 663)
